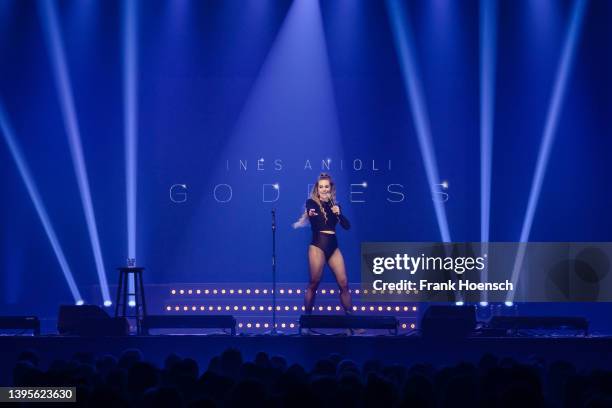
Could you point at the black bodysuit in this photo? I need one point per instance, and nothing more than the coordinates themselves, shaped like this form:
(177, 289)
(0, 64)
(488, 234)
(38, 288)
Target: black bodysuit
(326, 242)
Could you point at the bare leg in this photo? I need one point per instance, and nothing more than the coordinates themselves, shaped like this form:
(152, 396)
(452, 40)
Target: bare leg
(316, 261)
(336, 263)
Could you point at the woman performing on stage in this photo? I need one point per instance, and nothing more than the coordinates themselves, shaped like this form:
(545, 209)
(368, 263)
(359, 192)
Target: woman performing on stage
(324, 214)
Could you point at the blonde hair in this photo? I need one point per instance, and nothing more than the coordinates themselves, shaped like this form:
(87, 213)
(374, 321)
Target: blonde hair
(314, 196)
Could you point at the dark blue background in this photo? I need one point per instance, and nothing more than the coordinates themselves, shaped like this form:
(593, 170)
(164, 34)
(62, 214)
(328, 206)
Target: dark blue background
(243, 80)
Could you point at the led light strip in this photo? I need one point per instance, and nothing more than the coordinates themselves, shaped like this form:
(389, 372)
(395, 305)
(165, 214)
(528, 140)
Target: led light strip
(294, 308)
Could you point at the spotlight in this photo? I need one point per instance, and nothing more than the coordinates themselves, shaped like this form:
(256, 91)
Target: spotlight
(484, 304)
(364, 184)
(80, 302)
(508, 303)
(59, 64)
(108, 303)
(459, 303)
(15, 150)
(548, 136)
(132, 303)
(405, 47)
(276, 186)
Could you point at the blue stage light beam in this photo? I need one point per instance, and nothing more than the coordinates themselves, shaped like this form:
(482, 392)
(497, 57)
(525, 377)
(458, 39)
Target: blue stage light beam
(130, 115)
(548, 137)
(130, 109)
(55, 48)
(488, 48)
(404, 45)
(488, 40)
(11, 141)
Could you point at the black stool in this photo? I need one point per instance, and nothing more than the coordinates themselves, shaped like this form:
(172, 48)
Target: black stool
(123, 294)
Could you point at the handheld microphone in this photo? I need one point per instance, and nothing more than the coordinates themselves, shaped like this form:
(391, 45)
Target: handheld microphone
(331, 201)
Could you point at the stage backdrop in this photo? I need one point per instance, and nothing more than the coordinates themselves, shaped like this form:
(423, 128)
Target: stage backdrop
(238, 106)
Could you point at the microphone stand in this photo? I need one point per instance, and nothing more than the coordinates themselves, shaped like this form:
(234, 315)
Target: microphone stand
(274, 331)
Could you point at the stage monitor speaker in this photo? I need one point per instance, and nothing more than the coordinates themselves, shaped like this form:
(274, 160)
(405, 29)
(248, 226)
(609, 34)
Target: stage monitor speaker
(449, 321)
(190, 322)
(20, 323)
(348, 322)
(510, 325)
(89, 320)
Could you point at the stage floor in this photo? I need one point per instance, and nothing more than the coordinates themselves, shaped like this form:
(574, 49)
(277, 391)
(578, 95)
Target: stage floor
(584, 352)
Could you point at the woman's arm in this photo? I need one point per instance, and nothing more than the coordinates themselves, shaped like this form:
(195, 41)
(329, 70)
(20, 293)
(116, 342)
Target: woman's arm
(311, 207)
(344, 222)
